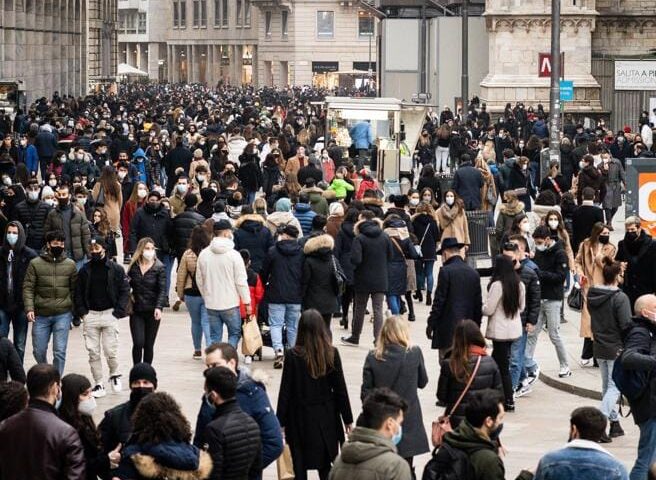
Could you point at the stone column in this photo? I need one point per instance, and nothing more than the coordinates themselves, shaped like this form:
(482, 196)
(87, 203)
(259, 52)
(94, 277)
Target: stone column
(169, 64)
(210, 66)
(138, 62)
(190, 63)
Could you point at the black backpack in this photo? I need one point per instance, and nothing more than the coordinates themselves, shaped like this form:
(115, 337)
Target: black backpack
(449, 463)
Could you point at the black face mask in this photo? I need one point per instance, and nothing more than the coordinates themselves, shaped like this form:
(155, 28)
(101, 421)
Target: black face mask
(56, 251)
(604, 239)
(631, 236)
(138, 394)
(494, 434)
(96, 256)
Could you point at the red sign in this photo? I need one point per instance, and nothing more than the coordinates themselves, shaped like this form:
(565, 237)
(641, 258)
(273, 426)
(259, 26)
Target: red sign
(544, 65)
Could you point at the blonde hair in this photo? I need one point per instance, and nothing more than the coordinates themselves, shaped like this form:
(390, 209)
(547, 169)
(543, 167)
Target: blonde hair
(138, 252)
(395, 331)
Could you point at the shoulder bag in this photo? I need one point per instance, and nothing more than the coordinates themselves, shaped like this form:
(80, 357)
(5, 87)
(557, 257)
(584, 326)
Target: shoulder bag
(442, 425)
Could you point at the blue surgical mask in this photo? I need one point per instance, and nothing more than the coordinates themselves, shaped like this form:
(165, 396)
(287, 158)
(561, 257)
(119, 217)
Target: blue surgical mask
(396, 439)
(12, 238)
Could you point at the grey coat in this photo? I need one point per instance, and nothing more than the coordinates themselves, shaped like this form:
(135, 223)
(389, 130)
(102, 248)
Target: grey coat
(614, 180)
(403, 372)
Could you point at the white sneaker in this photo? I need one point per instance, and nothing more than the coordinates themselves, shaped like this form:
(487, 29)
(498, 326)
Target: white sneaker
(536, 374)
(98, 391)
(117, 385)
(523, 390)
(564, 372)
(585, 362)
(248, 359)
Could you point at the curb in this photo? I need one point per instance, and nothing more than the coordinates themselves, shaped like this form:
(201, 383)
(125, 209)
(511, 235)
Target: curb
(569, 388)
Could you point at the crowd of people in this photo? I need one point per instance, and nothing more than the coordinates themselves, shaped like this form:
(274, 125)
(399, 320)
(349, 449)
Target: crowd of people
(235, 199)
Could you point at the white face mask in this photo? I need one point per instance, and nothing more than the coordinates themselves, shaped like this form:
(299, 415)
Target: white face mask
(6, 181)
(414, 202)
(148, 254)
(525, 227)
(52, 183)
(450, 200)
(582, 164)
(141, 193)
(82, 201)
(553, 224)
(200, 178)
(33, 195)
(182, 189)
(87, 407)
(51, 201)
(122, 175)
(540, 248)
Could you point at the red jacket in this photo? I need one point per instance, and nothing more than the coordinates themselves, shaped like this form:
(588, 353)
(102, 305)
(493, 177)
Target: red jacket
(257, 293)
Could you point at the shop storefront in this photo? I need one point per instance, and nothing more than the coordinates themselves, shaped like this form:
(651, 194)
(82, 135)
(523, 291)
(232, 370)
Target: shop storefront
(325, 74)
(247, 65)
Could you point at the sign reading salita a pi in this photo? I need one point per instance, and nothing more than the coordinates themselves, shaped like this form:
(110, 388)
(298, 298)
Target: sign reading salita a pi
(635, 75)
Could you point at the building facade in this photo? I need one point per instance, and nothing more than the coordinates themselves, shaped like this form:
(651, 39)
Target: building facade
(57, 45)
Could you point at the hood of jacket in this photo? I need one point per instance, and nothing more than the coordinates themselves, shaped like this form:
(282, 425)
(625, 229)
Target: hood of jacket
(319, 245)
(598, 295)
(251, 223)
(280, 218)
(288, 248)
(138, 153)
(373, 201)
(365, 444)
(21, 238)
(216, 216)
(302, 207)
(512, 209)
(466, 438)
(172, 460)
(221, 245)
(370, 228)
(348, 228)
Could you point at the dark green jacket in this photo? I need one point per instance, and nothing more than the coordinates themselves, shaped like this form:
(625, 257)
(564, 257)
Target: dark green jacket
(369, 456)
(79, 230)
(49, 285)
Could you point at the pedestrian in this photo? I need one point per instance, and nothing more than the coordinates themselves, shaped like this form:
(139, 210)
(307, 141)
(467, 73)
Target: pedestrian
(584, 217)
(637, 252)
(397, 268)
(371, 452)
(554, 220)
(147, 280)
(554, 181)
(160, 446)
(428, 234)
(318, 283)
(101, 308)
(187, 290)
(467, 183)
(582, 458)
(233, 437)
(177, 199)
(15, 257)
(35, 443)
(136, 201)
(48, 292)
(32, 213)
(335, 219)
(508, 210)
(183, 224)
(589, 268)
(590, 177)
(371, 252)
(613, 173)
(13, 398)
(108, 195)
(505, 301)
(457, 296)
(281, 217)
(222, 281)
(251, 234)
(313, 403)
(303, 213)
(398, 365)
(343, 248)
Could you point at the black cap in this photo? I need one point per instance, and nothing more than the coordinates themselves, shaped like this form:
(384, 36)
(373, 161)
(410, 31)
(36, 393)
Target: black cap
(155, 193)
(98, 240)
(143, 371)
(291, 231)
(222, 225)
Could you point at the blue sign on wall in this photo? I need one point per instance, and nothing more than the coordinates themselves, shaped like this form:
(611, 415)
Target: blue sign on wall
(566, 91)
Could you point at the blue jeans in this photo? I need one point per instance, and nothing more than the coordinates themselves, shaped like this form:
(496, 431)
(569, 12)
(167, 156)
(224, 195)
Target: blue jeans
(58, 326)
(250, 196)
(425, 274)
(168, 260)
(646, 450)
(18, 320)
(517, 360)
(394, 304)
(200, 324)
(283, 314)
(232, 320)
(610, 393)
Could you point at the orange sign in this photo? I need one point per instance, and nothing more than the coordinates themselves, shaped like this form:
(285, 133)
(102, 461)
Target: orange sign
(647, 201)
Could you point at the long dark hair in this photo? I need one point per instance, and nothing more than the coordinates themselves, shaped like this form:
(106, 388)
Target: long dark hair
(158, 419)
(313, 344)
(466, 334)
(504, 272)
(109, 183)
(73, 385)
(199, 239)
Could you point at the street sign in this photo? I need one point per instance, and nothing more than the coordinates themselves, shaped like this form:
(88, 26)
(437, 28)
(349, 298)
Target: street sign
(566, 91)
(544, 65)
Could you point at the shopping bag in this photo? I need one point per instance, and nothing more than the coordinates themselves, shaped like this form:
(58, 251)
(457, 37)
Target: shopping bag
(575, 298)
(284, 465)
(251, 340)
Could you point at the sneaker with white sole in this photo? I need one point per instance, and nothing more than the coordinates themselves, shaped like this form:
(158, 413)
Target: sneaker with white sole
(522, 390)
(585, 362)
(117, 385)
(564, 372)
(532, 377)
(98, 391)
(248, 359)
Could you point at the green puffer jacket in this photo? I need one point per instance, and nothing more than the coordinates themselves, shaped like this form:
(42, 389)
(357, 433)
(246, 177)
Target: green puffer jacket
(369, 456)
(49, 285)
(80, 235)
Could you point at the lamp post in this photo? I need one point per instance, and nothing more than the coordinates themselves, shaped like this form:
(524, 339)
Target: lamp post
(464, 79)
(554, 92)
(371, 34)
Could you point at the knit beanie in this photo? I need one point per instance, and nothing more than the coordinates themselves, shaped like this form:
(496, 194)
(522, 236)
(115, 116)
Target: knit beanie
(283, 205)
(143, 371)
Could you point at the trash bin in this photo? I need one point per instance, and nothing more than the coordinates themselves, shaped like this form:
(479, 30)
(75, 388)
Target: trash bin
(445, 181)
(391, 187)
(479, 233)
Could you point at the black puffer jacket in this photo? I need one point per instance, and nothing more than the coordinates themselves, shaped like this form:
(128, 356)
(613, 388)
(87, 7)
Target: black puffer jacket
(428, 234)
(318, 285)
(250, 174)
(610, 319)
(370, 254)
(591, 177)
(10, 362)
(32, 215)
(116, 426)
(155, 224)
(343, 245)
(117, 288)
(181, 226)
(23, 255)
(252, 235)
(149, 290)
(449, 388)
(282, 273)
(640, 274)
(532, 306)
(233, 440)
(640, 354)
(553, 271)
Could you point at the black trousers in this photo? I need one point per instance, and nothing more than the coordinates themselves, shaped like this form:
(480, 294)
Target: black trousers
(501, 355)
(347, 299)
(587, 352)
(44, 163)
(143, 328)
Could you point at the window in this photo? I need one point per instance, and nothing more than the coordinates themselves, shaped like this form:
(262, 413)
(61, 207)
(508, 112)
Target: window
(183, 14)
(141, 23)
(224, 13)
(196, 13)
(365, 24)
(122, 21)
(200, 13)
(176, 14)
(238, 13)
(325, 24)
(131, 23)
(285, 17)
(247, 13)
(267, 24)
(217, 13)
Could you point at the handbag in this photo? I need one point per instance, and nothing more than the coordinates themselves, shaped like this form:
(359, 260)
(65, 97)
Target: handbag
(575, 298)
(339, 277)
(251, 340)
(284, 464)
(442, 425)
(421, 242)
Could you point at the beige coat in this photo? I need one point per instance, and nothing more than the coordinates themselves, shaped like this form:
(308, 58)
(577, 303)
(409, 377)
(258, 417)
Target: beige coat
(293, 165)
(186, 271)
(453, 223)
(589, 263)
(499, 326)
(112, 206)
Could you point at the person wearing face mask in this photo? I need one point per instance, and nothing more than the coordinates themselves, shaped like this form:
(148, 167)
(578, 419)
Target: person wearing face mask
(46, 146)
(48, 291)
(28, 155)
(108, 194)
(101, 308)
(613, 173)
(451, 219)
(79, 165)
(589, 268)
(136, 200)
(117, 423)
(36, 443)
(76, 409)
(152, 221)
(177, 160)
(371, 450)
(198, 161)
(180, 192)
(141, 165)
(590, 177)
(467, 183)
(15, 257)
(183, 224)
(637, 252)
(32, 213)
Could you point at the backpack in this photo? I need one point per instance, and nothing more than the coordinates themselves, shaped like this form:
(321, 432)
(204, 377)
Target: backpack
(631, 383)
(449, 463)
